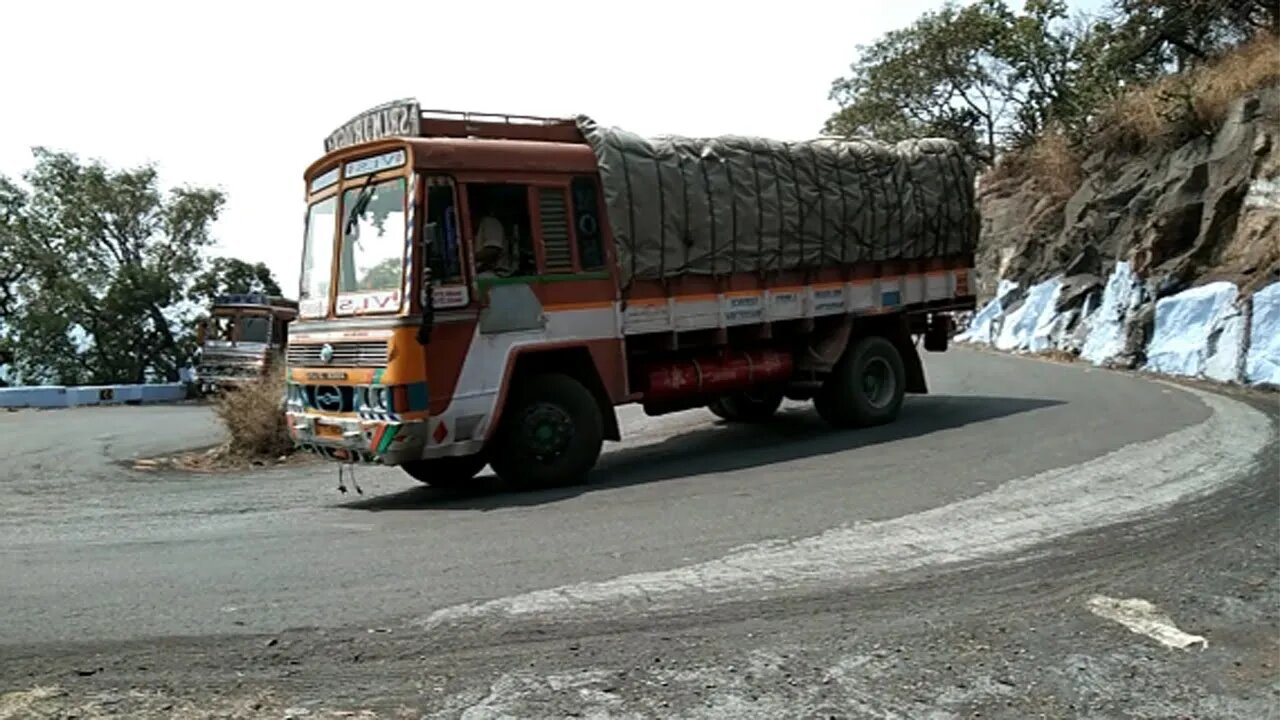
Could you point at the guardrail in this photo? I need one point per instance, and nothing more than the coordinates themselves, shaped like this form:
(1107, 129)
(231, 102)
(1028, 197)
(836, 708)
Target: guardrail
(59, 396)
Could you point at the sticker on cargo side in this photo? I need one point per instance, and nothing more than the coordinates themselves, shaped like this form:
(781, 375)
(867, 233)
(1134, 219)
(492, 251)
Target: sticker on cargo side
(830, 300)
(743, 309)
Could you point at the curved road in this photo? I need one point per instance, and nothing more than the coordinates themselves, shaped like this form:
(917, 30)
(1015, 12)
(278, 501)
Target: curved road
(983, 554)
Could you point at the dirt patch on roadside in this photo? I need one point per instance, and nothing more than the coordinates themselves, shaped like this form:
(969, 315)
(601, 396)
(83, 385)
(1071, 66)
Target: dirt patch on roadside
(217, 459)
(252, 414)
(41, 703)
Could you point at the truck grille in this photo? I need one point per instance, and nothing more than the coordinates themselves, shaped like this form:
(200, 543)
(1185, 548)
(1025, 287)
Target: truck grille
(348, 354)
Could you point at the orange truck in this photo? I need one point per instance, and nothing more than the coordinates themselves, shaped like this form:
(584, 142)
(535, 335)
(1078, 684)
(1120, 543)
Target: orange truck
(487, 289)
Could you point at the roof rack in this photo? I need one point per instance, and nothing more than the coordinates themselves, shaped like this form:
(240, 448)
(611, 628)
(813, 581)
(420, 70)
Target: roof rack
(498, 126)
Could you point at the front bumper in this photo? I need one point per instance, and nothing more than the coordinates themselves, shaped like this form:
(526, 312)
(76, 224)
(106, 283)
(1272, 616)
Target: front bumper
(346, 439)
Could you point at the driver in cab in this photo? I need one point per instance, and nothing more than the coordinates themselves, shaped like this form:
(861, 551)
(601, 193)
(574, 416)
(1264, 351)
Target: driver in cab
(493, 257)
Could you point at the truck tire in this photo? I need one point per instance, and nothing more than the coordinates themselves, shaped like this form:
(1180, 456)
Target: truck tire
(865, 388)
(749, 406)
(551, 433)
(446, 472)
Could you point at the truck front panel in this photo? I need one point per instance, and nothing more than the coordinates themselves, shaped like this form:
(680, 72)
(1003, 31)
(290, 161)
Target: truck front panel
(359, 394)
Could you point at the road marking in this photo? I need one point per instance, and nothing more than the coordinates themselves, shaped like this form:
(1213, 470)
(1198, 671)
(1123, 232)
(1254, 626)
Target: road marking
(1144, 618)
(1135, 480)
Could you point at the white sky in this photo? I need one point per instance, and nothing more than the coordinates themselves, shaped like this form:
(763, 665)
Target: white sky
(241, 95)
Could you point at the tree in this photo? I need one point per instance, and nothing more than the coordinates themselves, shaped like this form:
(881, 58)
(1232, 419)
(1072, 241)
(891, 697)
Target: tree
(1178, 33)
(986, 76)
(13, 262)
(935, 77)
(105, 261)
(226, 276)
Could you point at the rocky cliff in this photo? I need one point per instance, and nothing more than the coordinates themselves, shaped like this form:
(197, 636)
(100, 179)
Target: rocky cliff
(1167, 260)
(1204, 211)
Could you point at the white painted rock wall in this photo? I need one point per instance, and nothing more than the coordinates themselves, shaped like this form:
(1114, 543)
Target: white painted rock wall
(986, 323)
(1198, 333)
(1262, 365)
(1120, 298)
(1029, 326)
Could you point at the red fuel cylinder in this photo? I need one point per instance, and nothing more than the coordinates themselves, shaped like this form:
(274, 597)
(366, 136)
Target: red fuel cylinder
(715, 374)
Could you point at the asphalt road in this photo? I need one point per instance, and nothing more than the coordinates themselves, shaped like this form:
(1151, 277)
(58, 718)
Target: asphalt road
(939, 567)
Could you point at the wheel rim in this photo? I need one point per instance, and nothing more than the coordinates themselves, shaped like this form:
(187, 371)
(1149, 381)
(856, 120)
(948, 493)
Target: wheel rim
(878, 383)
(547, 431)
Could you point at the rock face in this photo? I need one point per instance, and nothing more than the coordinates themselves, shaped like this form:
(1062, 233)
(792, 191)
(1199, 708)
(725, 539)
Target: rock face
(1206, 211)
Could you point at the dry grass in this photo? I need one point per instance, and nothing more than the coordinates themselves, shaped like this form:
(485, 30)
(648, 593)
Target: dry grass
(1052, 161)
(1162, 115)
(254, 417)
(1196, 102)
(1056, 163)
(1060, 356)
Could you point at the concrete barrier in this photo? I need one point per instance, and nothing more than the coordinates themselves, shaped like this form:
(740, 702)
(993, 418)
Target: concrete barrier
(58, 396)
(43, 396)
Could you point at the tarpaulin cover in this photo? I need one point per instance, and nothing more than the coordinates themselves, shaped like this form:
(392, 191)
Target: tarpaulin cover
(712, 206)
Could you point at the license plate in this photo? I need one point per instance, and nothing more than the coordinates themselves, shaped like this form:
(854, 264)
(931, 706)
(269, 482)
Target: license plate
(328, 431)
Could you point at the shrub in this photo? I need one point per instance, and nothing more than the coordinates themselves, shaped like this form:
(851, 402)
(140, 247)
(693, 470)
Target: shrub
(1051, 162)
(1054, 161)
(254, 416)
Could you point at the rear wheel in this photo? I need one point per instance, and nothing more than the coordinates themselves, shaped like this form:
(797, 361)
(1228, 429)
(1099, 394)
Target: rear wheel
(865, 388)
(756, 405)
(446, 472)
(550, 434)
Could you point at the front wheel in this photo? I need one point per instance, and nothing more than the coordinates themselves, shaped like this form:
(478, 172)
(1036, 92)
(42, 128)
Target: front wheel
(446, 472)
(865, 388)
(551, 433)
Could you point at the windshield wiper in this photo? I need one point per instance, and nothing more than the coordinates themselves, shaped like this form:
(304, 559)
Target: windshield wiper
(358, 207)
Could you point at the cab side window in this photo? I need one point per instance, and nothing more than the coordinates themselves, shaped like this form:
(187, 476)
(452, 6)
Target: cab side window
(443, 232)
(586, 223)
(501, 231)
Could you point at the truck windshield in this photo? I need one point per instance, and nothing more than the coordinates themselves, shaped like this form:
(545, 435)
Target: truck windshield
(317, 258)
(373, 241)
(253, 329)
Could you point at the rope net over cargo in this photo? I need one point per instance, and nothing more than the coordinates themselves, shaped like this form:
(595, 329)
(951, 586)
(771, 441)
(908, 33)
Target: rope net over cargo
(714, 206)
